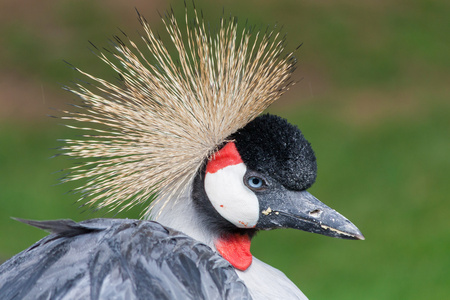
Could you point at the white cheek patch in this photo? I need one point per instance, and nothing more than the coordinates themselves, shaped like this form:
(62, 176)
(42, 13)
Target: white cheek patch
(231, 198)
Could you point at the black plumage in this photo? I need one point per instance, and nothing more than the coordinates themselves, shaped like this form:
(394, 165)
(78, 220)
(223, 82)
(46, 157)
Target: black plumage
(272, 146)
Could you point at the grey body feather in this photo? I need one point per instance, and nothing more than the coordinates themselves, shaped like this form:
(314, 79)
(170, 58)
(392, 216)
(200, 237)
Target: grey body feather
(117, 259)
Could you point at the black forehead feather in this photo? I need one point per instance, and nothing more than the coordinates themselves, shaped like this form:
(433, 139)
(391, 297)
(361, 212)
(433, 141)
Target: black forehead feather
(272, 146)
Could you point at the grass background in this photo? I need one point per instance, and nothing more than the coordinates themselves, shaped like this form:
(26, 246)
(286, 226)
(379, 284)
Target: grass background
(373, 100)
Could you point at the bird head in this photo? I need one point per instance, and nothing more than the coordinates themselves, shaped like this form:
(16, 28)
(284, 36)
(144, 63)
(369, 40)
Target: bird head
(258, 180)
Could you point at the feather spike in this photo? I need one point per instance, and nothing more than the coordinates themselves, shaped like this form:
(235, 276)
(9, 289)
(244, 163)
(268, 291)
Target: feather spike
(150, 133)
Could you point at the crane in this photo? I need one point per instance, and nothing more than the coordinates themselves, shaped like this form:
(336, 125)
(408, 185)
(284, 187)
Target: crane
(186, 131)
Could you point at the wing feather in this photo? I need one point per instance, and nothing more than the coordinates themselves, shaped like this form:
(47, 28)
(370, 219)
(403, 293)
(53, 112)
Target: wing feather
(118, 259)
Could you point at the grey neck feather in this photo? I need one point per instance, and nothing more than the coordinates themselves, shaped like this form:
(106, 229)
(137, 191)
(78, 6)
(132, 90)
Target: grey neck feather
(181, 215)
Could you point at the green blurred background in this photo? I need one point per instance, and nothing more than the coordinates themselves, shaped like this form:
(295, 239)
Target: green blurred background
(373, 99)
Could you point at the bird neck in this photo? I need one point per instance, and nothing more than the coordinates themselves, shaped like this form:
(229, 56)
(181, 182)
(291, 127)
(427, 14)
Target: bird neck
(183, 215)
(180, 214)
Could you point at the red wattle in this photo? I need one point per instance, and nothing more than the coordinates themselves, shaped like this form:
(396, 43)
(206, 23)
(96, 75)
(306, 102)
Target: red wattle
(227, 156)
(236, 249)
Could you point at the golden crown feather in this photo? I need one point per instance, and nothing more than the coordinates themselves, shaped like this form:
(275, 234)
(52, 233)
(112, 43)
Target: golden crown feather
(148, 135)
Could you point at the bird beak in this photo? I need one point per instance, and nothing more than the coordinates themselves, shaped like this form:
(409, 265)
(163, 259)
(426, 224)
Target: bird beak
(301, 210)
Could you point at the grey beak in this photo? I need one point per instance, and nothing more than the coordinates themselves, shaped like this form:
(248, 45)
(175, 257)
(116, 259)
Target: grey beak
(301, 210)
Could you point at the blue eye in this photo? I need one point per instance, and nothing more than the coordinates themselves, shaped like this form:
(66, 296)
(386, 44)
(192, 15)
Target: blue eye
(255, 182)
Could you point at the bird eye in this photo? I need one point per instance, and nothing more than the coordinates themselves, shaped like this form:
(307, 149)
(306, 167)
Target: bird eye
(255, 182)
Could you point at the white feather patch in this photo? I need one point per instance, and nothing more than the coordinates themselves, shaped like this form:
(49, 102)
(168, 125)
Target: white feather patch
(231, 198)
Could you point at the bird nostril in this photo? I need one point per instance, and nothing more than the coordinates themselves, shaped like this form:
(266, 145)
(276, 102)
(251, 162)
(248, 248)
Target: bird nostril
(315, 213)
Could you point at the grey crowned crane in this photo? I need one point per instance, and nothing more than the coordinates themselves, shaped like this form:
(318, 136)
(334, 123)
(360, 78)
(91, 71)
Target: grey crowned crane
(185, 130)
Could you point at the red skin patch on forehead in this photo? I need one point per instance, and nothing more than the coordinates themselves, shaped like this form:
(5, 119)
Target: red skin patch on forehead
(227, 156)
(235, 248)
